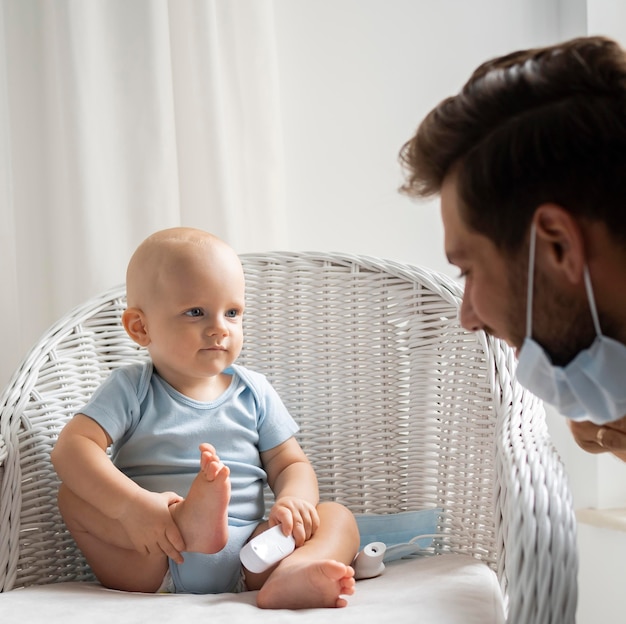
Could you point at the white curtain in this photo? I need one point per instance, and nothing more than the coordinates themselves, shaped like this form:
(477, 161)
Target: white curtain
(118, 118)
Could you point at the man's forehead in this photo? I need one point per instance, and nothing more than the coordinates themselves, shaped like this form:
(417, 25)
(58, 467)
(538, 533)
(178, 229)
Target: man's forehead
(455, 231)
(462, 244)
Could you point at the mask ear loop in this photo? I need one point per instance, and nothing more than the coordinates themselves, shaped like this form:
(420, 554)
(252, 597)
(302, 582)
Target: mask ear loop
(592, 301)
(531, 280)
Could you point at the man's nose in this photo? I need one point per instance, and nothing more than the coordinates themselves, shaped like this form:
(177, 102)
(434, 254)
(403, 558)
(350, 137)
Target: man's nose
(467, 316)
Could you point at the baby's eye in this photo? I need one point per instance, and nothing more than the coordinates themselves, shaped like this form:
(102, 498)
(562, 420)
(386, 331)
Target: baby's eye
(232, 313)
(194, 312)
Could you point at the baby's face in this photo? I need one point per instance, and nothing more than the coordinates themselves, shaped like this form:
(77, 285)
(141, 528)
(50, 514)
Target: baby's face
(194, 320)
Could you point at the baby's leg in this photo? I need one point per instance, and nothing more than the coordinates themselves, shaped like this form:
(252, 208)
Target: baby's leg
(318, 573)
(107, 548)
(202, 518)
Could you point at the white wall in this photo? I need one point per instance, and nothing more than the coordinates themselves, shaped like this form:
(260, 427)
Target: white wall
(356, 77)
(606, 17)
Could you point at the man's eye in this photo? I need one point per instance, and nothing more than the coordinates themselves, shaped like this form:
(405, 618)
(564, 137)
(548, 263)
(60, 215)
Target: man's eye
(194, 312)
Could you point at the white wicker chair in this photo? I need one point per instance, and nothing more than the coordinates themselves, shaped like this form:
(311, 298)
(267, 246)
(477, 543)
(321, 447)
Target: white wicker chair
(400, 409)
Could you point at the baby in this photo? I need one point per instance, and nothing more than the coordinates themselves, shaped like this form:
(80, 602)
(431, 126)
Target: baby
(194, 439)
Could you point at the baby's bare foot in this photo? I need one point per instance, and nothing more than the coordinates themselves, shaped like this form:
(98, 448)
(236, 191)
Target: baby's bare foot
(210, 463)
(202, 517)
(307, 585)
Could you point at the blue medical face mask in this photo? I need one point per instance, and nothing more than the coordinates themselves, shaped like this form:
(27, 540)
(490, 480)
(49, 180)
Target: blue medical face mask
(593, 385)
(404, 534)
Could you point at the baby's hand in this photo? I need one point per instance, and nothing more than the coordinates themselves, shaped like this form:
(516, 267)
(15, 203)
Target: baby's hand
(296, 516)
(150, 527)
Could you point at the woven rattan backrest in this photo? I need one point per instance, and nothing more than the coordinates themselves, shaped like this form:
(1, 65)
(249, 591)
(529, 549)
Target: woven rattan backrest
(60, 373)
(395, 401)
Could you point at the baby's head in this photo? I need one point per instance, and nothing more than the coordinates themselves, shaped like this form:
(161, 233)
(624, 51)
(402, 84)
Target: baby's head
(169, 259)
(186, 294)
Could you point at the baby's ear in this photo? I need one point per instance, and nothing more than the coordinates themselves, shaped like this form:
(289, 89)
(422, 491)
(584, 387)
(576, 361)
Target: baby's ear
(133, 321)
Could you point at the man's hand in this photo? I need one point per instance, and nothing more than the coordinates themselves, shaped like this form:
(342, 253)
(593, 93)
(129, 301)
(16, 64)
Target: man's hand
(608, 438)
(149, 524)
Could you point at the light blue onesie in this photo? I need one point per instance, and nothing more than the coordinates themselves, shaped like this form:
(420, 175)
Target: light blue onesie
(156, 432)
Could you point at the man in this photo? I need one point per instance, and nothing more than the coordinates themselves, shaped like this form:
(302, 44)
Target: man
(530, 162)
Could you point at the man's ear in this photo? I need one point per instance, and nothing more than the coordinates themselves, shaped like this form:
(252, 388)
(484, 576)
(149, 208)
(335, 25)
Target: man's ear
(133, 321)
(560, 241)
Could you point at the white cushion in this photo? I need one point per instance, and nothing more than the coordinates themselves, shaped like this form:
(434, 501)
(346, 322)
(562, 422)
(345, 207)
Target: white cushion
(448, 589)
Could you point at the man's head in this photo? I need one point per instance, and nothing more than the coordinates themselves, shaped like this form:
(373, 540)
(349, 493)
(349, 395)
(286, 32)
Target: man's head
(535, 136)
(186, 297)
(537, 126)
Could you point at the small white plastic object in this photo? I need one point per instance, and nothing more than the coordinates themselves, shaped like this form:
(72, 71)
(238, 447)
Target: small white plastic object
(369, 562)
(266, 549)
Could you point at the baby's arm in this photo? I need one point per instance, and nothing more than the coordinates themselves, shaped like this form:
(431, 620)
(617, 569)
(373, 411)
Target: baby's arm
(82, 464)
(293, 481)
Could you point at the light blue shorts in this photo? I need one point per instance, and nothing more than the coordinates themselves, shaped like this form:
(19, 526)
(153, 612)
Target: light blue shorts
(211, 574)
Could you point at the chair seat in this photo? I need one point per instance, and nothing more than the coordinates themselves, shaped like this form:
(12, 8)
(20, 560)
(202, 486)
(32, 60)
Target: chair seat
(445, 589)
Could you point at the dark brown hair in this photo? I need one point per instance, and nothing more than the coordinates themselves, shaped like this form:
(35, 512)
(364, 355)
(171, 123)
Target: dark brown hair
(540, 125)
